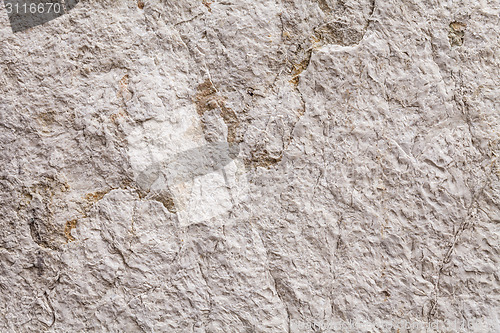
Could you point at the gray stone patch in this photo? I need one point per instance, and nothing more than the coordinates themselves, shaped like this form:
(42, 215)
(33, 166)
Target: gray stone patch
(25, 14)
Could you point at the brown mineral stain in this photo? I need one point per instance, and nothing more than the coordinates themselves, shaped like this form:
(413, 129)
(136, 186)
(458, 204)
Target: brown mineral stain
(70, 225)
(123, 90)
(140, 4)
(299, 68)
(124, 81)
(167, 200)
(263, 160)
(115, 116)
(207, 99)
(47, 118)
(93, 197)
(456, 33)
(458, 26)
(207, 4)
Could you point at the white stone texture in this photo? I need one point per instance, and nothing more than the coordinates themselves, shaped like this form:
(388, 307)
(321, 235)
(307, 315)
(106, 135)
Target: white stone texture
(365, 187)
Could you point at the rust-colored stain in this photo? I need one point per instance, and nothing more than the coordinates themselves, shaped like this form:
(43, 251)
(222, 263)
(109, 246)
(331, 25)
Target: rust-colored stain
(459, 26)
(140, 4)
(70, 225)
(115, 116)
(95, 196)
(300, 67)
(123, 90)
(124, 81)
(207, 4)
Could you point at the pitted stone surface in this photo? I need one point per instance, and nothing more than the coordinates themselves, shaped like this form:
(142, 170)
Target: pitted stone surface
(355, 176)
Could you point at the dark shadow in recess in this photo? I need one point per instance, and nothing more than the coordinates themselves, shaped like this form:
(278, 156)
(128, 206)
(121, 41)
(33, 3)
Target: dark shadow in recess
(25, 14)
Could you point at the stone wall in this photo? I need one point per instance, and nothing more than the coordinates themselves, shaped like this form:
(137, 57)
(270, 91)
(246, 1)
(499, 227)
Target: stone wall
(251, 166)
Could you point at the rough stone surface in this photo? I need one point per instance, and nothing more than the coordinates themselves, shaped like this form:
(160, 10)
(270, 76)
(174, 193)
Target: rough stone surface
(251, 166)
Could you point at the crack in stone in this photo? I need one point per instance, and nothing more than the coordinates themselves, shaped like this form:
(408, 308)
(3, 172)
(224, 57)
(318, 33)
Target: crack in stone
(463, 107)
(276, 284)
(446, 259)
(51, 308)
(280, 296)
